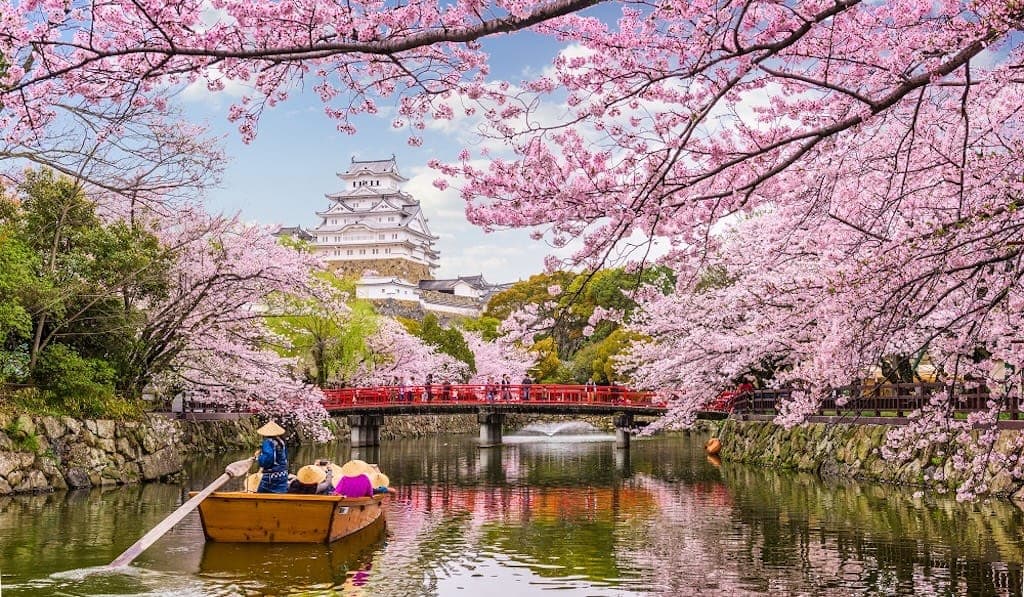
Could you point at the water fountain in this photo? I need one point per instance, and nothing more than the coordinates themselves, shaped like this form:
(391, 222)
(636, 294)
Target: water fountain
(551, 429)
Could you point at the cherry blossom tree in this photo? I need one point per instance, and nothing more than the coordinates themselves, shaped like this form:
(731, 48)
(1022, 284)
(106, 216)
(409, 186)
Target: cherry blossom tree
(870, 151)
(209, 334)
(494, 359)
(398, 354)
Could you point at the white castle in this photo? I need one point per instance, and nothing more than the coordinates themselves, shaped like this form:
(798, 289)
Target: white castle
(375, 231)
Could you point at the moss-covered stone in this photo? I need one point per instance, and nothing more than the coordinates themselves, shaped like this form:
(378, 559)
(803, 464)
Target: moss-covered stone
(852, 451)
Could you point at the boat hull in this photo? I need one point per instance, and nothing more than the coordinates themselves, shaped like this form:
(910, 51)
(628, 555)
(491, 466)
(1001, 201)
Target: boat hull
(238, 517)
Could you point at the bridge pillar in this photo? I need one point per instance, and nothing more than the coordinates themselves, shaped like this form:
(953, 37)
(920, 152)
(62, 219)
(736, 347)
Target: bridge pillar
(622, 465)
(623, 423)
(365, 430)
(490, 428)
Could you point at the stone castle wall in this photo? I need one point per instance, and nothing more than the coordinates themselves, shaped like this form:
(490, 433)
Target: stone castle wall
(388, 268)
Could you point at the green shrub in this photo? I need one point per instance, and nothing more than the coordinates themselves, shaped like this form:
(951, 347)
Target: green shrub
(82, 386)
(29, 400)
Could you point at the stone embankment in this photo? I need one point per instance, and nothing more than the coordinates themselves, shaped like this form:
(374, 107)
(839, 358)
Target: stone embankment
(46, 453)
(52, 453)
(850, 451)
(56, 453)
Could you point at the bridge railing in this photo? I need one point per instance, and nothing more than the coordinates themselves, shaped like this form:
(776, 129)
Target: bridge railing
(343, 398)
(879, 400)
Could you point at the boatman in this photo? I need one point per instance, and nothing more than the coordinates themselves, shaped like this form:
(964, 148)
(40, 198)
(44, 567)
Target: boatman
(273, 459)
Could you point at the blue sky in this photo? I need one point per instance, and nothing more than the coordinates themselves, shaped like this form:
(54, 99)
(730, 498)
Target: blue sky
(282, 177)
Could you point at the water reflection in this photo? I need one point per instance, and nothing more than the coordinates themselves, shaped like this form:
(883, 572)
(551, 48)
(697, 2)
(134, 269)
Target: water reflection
(580, 518)
(345, 565)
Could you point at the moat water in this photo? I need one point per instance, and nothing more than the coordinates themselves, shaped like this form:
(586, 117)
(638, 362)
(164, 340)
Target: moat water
(560, 515)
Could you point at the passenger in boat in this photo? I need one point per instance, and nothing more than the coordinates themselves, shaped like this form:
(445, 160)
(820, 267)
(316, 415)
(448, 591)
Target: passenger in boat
(380, 482)
(273, 459)
(355, 486)
(313, 479)
(355, 479)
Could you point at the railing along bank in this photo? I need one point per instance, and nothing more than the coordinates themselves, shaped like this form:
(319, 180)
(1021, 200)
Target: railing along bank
(346, 398)
(879, 400)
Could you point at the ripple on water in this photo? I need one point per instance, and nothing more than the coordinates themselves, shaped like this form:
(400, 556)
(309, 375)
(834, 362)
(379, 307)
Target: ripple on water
(575, 518)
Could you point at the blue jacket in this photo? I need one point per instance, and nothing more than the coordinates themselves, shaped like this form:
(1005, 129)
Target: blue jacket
(273, 459)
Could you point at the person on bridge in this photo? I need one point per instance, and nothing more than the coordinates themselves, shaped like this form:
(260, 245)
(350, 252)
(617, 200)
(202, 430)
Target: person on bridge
(273, 459)
(490, 390)
(506, 387)
(525, 389)
(446, 390)
(428, 387)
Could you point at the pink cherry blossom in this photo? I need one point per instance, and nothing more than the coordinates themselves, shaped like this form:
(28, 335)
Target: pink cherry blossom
(832, 182)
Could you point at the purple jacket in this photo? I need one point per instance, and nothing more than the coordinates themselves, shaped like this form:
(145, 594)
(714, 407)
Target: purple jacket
(357, 486)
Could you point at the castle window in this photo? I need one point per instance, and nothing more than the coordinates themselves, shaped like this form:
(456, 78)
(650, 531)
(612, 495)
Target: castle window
(380, 237)
(362, 251)
(350, 251)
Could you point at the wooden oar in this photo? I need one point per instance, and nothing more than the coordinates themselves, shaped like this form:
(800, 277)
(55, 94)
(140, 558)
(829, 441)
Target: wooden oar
(235, 469)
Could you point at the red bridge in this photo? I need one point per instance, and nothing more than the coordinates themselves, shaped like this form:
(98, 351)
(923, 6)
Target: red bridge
(366, 407)
(542, 398)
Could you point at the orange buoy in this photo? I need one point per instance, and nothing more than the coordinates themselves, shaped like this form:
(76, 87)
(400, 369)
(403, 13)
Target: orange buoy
(712, 446)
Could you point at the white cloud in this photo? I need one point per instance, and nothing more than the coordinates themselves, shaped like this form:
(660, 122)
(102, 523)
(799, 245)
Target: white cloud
(198, 92)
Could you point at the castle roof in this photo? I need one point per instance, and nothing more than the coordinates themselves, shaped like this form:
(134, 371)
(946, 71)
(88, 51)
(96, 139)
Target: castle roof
(476, 281)
(388, 166)
(294, 231)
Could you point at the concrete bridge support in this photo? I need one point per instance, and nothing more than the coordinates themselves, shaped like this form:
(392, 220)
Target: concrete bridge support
(490, 428)
(622, 465)
(623, 423)
(365, 430)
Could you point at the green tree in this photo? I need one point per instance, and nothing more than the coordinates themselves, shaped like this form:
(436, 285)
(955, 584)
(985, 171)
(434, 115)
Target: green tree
(596, 361)
(548, 367)
(487, 326)
(581, 294)
(86, 281)
(17, 264)
(448, 340)
(329, 334)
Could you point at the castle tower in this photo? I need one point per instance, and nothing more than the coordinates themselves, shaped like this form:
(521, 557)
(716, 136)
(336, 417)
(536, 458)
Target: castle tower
(372, 226)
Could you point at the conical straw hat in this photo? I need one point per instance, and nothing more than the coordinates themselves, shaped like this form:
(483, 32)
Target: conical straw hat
(270, 429)
(311, 474)
(356, 467)
(252, 482)
(380, 480)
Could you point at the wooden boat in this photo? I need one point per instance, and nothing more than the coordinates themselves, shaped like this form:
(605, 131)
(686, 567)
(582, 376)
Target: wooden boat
(240, 517)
